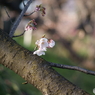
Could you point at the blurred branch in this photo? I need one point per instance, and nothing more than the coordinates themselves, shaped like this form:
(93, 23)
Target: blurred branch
(72, 68)
(30, 13)
(73, 53)
(8, 15)
(19, 18)
(65, 43)
(24, 4)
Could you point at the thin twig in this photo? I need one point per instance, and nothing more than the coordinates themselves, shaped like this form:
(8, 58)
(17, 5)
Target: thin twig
(25, 82)
(8, 15)
(24, 4)
(19, 35)
(72, 68)
(30, 13)
(19, 18)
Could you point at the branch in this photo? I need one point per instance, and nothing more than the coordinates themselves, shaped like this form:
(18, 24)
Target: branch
(34, 69)
(8, 15)
(24, 3)
(72, 68)
(30, 13)
(19, 18)
(19, 35)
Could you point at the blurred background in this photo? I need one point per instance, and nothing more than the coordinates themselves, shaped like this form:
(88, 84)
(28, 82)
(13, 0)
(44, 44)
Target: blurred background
(71, 23)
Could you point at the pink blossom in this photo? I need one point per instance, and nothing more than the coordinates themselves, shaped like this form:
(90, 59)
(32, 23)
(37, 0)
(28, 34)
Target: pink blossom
(41, 9)
(31, 25)
(43, 44)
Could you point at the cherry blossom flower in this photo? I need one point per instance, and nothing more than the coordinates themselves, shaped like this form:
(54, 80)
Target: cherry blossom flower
(31, 25)
(43, 44)
(41, 9)
(28, 32)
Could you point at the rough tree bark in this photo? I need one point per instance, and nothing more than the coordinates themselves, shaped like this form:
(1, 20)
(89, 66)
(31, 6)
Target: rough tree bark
(34, 69)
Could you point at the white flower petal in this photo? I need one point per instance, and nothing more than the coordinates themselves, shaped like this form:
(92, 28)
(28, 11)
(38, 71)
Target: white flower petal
(51, 43)
(42, 43)
(37, 42)
(39, 52)
(44, 39)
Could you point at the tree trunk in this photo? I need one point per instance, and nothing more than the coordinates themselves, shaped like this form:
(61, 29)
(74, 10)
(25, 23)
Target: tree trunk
(34, 69)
